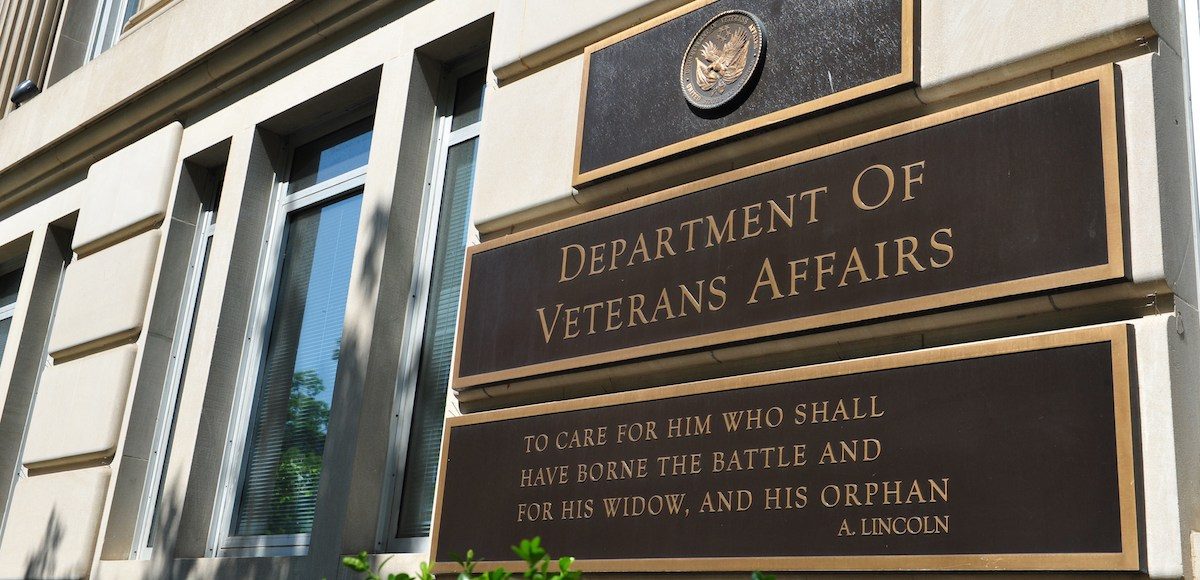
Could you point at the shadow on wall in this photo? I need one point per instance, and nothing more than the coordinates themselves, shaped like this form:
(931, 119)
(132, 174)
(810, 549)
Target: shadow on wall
(41, 562)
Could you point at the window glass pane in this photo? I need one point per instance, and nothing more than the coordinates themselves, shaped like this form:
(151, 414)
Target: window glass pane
(9, 284)
(331, 155)
(441, 319)
(111, 18)
(131, 8)
(468, 100)
(5, 324)
(291, 413)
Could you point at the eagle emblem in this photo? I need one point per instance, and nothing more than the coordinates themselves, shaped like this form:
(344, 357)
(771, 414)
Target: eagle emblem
(718, 68)
(721, 59)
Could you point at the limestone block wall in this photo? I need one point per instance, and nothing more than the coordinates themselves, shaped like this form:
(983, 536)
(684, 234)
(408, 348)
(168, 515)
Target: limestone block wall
(80, 408)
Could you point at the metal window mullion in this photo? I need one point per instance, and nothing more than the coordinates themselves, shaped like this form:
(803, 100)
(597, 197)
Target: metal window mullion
(463, 134)
(321, 191)
(166, 413)
(267, 271)
(98, 25)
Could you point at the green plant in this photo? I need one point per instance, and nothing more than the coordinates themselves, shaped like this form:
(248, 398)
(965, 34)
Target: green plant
(537, 562)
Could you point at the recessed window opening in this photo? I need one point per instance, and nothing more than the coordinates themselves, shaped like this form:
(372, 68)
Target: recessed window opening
(425, 381)
(294, 374)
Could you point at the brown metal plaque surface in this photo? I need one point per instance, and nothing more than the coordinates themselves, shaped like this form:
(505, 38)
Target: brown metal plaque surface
(642, 102)
(1007, 454)
(1010, 195)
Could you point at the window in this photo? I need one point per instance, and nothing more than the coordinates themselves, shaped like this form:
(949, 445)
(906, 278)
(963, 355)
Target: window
(87, 28)
(10, 281)
(164, 430)
(286, 400)
(431, 345)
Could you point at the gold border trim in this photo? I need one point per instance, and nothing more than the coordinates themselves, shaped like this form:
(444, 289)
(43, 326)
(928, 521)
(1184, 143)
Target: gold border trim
(1127, 559)
(1113, 269)
(905, 76)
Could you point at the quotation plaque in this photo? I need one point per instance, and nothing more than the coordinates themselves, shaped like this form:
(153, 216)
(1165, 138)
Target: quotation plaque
(1011, 454)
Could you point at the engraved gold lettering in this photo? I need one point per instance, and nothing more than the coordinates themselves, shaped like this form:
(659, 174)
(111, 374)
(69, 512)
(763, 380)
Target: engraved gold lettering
(778, 212)
(943, 247)
(910, 178)
(548, 330)
(722, 233)
(750, 219)
(812, 203)
(854, 264)
(574, 248)
(766, 277)
(887, 194)
(907, 255)
(664, 242)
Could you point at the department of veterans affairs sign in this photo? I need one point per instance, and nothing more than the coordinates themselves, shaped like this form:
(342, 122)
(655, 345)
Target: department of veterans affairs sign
(1012, 454)
(1015, 194)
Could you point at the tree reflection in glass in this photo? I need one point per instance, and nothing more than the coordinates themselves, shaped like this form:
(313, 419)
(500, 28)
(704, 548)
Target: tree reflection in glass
(295, 392)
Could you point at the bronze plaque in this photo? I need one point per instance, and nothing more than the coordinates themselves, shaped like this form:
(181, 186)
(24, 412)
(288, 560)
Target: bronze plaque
(746, 65)
(1015, 194)
(1009, 454)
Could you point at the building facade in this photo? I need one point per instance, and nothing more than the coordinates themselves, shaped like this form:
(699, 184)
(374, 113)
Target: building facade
(233, 238)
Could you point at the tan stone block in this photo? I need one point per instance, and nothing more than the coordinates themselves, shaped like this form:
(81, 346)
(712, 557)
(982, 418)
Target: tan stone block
(127, 190)
(104, 296)
(53, 522)
(527, 143)
(77, 414)
(530, 34)
(1142, 171)
(1164, 555)
(968, 44)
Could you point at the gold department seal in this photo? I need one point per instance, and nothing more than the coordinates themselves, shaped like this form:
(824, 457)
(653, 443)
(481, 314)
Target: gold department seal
(721, 59)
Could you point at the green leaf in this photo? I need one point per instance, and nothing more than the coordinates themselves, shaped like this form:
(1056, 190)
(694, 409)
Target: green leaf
(497, 574)
(359, 563)
(756, 575)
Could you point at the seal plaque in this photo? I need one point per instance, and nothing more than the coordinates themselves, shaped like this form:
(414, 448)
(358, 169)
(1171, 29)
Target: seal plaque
(721, 59)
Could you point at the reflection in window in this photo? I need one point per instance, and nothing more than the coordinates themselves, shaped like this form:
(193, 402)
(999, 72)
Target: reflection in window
(291, 398)
(279, 490)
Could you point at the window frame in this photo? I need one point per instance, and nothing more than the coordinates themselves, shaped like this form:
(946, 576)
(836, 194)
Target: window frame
(9, 311)
(413, 336)
(96, 44)
(222, 541)
(180, 350)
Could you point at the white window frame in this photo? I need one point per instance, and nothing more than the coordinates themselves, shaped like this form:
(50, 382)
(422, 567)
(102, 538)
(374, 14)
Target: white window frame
(8, 311)
(167, 406)
(104, 10)
(413, 336)
(222, 542)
